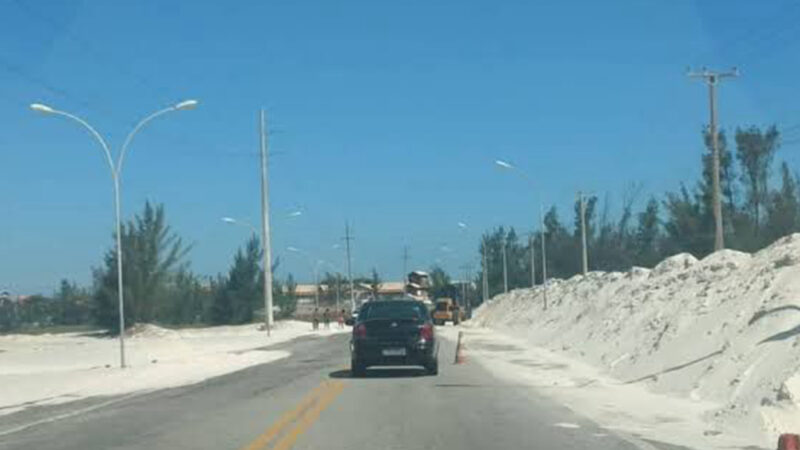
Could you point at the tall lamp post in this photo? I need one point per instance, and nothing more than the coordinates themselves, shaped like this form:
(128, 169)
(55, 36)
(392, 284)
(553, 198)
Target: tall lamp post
(116, 169)
(510, 167)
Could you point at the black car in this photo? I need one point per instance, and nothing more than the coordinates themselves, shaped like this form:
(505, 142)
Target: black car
(394, 333)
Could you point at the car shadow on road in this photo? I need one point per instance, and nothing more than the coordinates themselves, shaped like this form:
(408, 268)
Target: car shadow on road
(404, 372)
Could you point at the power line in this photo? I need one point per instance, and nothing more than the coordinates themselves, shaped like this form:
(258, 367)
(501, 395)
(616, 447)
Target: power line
(88, 48)
(757, 34)
(20, 72)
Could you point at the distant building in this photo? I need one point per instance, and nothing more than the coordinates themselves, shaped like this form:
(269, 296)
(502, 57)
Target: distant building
(306, 294)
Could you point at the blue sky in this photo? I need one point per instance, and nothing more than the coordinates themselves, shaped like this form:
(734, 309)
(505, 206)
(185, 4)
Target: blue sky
(386, 114)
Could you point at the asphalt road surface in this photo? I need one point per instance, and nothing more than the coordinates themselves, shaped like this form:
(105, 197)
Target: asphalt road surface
(310, 401)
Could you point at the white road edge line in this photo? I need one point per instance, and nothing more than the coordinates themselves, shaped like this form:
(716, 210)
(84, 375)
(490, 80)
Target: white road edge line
(71, 413)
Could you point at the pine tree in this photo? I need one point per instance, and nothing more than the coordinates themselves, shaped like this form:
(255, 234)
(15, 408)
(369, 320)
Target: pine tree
(151, 253)
(783, 213)
(755, 151)
(647, 235)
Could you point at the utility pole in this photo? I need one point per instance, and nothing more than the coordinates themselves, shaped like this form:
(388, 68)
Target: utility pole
(465, 268)
(485, 270)
(544, 259)
(532, 246)
(505, 267)
(464, 288)
(338, 291)
(466, 295)
(347, 239)
(405, 264)
(316, 285)
(712, 78)
(265, 235)
(584, 251)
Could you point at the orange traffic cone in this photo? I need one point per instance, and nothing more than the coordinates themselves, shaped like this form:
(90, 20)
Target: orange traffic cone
(789, 442)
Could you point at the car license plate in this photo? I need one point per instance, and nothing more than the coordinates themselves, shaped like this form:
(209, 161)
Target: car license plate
(394, 352)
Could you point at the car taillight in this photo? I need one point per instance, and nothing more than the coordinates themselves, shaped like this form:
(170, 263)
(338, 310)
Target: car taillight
(426, 332)
(360, 331)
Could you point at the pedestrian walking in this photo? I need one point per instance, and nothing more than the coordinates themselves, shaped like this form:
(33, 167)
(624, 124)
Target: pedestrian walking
(341, 319)
(315, 319)
(326, 317)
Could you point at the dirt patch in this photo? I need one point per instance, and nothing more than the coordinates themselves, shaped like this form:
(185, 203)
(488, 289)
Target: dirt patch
(543, 366)
(493, 347)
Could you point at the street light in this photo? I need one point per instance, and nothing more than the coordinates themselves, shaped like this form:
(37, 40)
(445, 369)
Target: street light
(510, 167)
(242, 223)
(38, 107)
(186, 105)
(116, 169)
(503, 164)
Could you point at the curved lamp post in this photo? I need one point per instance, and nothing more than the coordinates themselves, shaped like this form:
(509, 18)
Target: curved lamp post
(508, 166)
(116, 169)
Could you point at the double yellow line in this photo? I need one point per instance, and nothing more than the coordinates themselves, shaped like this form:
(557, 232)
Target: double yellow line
(303, 416)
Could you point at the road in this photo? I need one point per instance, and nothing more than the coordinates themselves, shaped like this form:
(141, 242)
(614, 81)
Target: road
(309, 401)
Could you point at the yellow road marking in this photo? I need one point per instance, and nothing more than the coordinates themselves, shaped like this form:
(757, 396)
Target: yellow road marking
(287, 418)
(310, 416)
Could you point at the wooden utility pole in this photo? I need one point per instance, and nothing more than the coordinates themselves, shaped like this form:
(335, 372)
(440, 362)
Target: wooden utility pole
(485, 270)
(405, 264)
(544, 258)
(532, 247)
(712, 78)
(265, 234)
(505, 266)
(347, 238)
(584, 250)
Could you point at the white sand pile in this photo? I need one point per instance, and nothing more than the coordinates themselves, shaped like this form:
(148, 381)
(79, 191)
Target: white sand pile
(725, 329)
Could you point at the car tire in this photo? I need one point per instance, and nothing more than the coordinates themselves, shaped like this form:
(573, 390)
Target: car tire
(357, 368)
(432, 368)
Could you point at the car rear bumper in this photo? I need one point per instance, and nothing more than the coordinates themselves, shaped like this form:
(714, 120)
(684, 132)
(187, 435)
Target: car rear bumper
(372, 354)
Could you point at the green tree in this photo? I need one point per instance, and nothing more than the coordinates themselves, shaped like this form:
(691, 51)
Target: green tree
(151, 253)
(518, 261)
(285, 297)
(440, 282)
(74, 303)
(648, 235)
(563, 250)
(613, 248)
(8, 313)
(686, 226)
(755, 150)
(240, 294)
(221, 310)
(185, 301)
(783, 213)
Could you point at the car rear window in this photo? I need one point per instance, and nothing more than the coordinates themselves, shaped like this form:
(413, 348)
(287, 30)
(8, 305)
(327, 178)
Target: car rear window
(393, 310)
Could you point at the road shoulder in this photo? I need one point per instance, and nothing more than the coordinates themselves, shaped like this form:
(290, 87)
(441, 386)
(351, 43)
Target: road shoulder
(628, 409)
